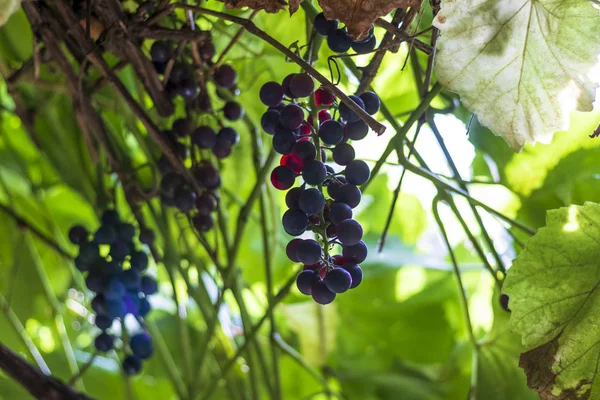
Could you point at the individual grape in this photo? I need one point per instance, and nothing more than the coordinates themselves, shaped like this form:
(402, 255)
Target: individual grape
(114, 289)
(181, 150)
(349, 232)
(339, 212)
(331, 132)
(371, 101)
(309, 252)
(204, 137)
(89, 253)
(203, 223)
(338, 280)
(207, 175)
(283, 177)
(314, 172)
(283, 141)
(110, 217)
(160, 68)
(170, 182)
(132, 365)
(131, 278)
(356, 130)
(302, 85)
(181, 72)
(115, 308)
(103, 321)
(139, 260)
(189, 90)
(321, 293)
(80, 265)
(305, 150)
(99, 304)
(229, 134)
(125, 231)
(324, 115)
(331, 231)
(78, 234)
(225, 76)
(144, 307)
(119, 250)
(294, 222)
(130, 303)
(292, 248)
(181, 127)
(222, 148)
(161, 52)
(233, 111)
(365, 46)
(349, 194)
(141, 345)
(339, 41)
(291, 117)
(94, 282)
(206, 50)
(311, 201)
(343, 153)
(206, 203)
(305, 281)
(271, 94)
(148, 285)
(185, 199)
(292, 161)
(269, 121)
(324, 26)
(357, 172)
(109, 268)
(356, 253)
(147, 236)
(292, 197)
(347, 114)
(286, 85)
(356, 273)
(334, 185)
(323, 97)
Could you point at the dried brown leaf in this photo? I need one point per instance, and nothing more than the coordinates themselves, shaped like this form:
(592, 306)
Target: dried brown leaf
(359, 15)
(271, 6)
(294, 5)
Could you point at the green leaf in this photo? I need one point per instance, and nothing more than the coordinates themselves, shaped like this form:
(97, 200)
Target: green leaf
(7, 8)
(521, 66)
(554, 300)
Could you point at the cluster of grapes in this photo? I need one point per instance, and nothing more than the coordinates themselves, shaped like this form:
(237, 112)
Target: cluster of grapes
(115, 272)
(299, 141)
(202, 142)
(339, 40)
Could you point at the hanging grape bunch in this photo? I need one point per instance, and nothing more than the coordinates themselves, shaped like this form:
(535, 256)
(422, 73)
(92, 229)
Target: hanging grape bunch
(304, 144)
(339, 40)
(114, 271)
(201, 143)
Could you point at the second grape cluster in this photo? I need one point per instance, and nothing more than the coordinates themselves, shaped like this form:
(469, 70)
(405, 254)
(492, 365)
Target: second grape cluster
(305, 145)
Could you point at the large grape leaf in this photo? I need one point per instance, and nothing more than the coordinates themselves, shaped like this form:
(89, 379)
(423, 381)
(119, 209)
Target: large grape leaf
(7, 8)
(555, 304)
(521, 65)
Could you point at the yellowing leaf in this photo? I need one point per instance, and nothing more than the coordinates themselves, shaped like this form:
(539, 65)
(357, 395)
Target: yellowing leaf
(555, 303)
(7, 8)
(521, 65)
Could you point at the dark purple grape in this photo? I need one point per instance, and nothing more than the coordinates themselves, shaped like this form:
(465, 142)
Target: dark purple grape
(139, 260)
(283, 141)
(110, 217)
(89, 253)
(271, 94)
(161, 52)
(286, 85)
(159, 67)
(331, 132)
(206, 203)
(99, 304)
(119, 250)
(185, 199)
(170, 182)
(78, 234)
(144, 307)
(338, 280)
(324, 26)
(229, 134)
(181, 72)
(132, 365)
(343, 153)
(347, 114)
(225, 76)
(356, 273)
(294, 222)
(80, 265)
(305, 281)
(349, 232)
(291, 117)
(141, 345)
(233, 111)
(131, 278)
(314, 172)
(125, 231)
(203, 222)
(366, 45)
(208, 175)
(204, 137)
(207, 50)
(103, 321)
(115, 308)
(309, 252)
(95, 282)
(334, 185)
(269, 121)
(349, 194)
(189, 90)
(357, 172)
(147, 236)
(148, 285)
(302, 85)
(305, 150)
(106, 234)
(292, 248)
(339, 212)
(283, 177)
(222, 148)
(292, 197)
(321, 293)
(114, 289)
(356, 130)
(311, 201)
(371, 101)
(339, 41)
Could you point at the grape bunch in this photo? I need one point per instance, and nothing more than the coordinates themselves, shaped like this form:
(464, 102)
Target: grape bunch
(115, 272)
(304, 144)
(196, 146)
(338, 38)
